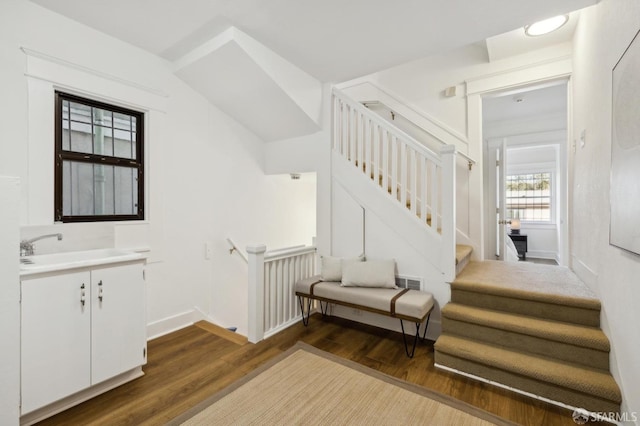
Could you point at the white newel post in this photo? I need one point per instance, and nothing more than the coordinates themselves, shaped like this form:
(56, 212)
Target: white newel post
(256, 292)
(448, 156)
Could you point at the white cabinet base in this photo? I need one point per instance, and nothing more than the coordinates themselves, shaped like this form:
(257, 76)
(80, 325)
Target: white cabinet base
(77, 398)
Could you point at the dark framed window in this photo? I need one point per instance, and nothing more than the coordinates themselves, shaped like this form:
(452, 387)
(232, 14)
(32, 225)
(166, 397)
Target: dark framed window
(99, 162)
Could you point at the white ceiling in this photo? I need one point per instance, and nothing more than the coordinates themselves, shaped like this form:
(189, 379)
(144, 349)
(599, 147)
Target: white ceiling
(332, 40)
(531, 103)
(234, 82)
(516, 42)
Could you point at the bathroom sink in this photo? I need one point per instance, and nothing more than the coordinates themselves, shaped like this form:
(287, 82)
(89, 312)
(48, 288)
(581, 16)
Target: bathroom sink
(74, 259)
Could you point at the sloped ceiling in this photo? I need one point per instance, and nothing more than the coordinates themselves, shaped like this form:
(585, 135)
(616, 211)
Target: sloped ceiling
(229, 78)
(263, 62)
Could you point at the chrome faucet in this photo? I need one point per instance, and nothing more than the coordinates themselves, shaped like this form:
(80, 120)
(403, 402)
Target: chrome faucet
(26, 246)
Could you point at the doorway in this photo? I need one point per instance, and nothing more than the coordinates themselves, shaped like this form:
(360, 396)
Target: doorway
(525, 172)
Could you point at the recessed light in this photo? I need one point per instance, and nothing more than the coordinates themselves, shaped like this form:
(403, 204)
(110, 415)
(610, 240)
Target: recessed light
(545, 27)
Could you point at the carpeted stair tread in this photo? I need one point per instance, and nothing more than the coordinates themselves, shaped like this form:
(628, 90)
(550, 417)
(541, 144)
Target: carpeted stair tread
(583, 336)
(585, 380)
(527, 281)
(462, 251)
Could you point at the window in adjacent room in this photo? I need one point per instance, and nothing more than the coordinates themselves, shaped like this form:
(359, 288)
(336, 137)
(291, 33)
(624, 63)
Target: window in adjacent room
(99, 172)
(528, 197)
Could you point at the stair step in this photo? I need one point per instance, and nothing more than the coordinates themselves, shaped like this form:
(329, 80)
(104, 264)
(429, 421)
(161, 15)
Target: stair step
(544, 291)
(584, 387)
(463, 257)
(568, 342)
(462, 251)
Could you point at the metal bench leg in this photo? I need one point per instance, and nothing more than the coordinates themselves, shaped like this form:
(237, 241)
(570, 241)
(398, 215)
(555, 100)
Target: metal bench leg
(415, 339)
(426, 325)
(305, 321)
(325, 309)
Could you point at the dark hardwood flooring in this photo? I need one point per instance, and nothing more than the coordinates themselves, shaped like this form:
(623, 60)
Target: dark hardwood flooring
(188, 365)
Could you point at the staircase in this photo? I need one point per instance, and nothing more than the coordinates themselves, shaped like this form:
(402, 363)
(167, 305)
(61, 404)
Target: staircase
(532, 328)
(389, 171)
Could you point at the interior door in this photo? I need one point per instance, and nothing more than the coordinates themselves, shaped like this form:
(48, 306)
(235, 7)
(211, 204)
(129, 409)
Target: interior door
(496, 216)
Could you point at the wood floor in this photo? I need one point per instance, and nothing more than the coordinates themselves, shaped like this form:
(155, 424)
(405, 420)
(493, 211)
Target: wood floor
(188, 365)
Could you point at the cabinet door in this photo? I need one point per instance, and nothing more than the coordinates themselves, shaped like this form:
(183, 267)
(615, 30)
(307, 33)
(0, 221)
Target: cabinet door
(118, 338)
(55, 338)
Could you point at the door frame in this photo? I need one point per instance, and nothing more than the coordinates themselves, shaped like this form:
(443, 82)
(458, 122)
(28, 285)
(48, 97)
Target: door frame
(536, 74)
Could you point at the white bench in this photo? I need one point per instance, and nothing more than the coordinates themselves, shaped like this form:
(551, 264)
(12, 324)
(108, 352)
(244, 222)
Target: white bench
(404, 304)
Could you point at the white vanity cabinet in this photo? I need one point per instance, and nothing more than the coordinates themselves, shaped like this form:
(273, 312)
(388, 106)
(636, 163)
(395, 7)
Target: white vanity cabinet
(55, 338)
(79, 329)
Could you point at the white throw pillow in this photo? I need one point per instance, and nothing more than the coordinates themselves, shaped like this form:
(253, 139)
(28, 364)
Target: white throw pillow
(372, 273)
(331, 269)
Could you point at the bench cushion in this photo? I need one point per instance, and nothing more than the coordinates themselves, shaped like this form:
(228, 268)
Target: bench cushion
(412, 304)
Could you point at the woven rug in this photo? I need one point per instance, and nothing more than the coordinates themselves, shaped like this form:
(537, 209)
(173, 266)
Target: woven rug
(308, 386)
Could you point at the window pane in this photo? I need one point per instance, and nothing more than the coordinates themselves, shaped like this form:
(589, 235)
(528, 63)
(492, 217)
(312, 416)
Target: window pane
(65, 110)
(80, 112)
(126, 184)
(122, 121)
(102, 117)
(123, 145)
(96, 190)
(528, 197)
(66, 143)
(102, 189)
(81, 137)
(103, 140)
(77, 188)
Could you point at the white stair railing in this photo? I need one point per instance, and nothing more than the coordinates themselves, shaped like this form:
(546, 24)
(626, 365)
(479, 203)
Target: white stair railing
(273, 305)
(411, 174)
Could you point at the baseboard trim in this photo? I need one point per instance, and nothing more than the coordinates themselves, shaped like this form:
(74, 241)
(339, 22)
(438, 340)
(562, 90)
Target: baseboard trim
(176, 322)
(585, 273)
(170, 324)
(542, 254)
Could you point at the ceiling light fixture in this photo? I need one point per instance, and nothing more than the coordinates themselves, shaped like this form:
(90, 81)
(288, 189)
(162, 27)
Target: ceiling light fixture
(546, 26)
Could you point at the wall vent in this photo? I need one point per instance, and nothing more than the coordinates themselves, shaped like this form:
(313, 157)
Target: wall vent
(413, 283)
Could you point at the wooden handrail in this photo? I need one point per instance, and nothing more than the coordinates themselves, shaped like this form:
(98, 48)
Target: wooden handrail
(471, 162)
(406, 138)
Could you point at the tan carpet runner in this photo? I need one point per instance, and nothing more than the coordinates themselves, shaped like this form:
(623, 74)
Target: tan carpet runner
(463, 256)
(531, 327)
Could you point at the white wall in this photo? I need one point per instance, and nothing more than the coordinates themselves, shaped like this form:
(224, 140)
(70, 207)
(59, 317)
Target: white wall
(357, 230)
(205, 178)
(420, 86)
(9, 302)
(295, 155)
(421, 83)
(603, 34)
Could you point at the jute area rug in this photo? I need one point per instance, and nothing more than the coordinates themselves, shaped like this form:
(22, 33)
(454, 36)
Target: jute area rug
(308, 386)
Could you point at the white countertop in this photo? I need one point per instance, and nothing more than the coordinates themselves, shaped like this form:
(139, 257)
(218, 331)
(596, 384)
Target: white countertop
(37, 264)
